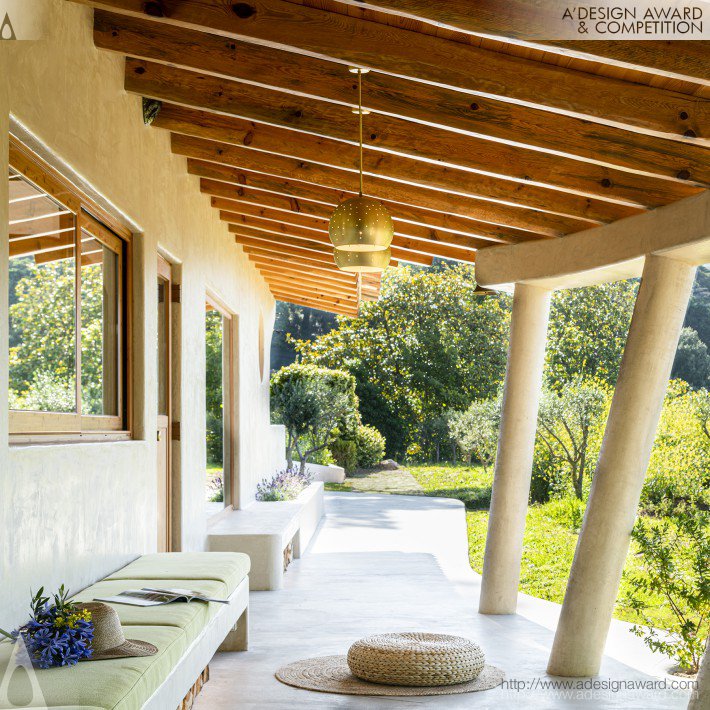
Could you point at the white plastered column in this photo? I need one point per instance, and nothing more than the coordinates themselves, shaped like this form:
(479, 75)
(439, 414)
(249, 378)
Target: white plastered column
(628, 439)
(700, 700)
(516, 442)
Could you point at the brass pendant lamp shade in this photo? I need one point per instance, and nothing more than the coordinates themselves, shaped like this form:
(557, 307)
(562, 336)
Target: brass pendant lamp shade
(361, 224)
(362, 262)
(361, 229)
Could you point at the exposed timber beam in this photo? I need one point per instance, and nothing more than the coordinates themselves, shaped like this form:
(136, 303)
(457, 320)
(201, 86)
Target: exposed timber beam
(434, 60)
(309, 285)
(343, 308)
(293, 264)
(401, 246)
(280, 166)
(304, 257)
(295, 290)
(482, 116)
(306, 239)
(327, 277)
(315, 215)
(257, 188)
(507, 170)
(529, 25)
(609, 253)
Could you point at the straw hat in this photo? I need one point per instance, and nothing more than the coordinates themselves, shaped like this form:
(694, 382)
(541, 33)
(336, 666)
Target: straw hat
(109, 641)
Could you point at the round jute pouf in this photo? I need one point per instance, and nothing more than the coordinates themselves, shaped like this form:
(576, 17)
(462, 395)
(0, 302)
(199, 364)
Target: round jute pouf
(331, 674)
(416, 659)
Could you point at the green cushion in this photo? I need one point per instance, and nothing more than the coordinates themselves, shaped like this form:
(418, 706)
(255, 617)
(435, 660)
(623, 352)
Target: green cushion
(116, 684)
(191, 618)
(228, 567)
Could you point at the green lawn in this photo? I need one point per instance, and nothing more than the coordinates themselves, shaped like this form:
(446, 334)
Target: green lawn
(550, 533)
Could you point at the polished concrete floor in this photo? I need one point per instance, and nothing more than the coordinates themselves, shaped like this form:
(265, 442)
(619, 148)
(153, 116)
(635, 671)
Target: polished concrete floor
(393, 563)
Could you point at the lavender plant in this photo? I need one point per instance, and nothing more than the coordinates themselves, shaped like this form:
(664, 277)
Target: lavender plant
(285, 485)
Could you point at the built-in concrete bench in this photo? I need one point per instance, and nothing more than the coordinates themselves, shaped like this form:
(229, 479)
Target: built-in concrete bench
(264, 531)
(187, 636)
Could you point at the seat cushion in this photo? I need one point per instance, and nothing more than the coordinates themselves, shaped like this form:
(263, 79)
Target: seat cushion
(191, 618)
(116, 684)
(227, 567)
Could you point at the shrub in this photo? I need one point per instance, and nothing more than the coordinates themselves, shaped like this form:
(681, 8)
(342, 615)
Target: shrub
(345, 453)
(285, 485)
(475, 430)
(369, 446)
(673, 553)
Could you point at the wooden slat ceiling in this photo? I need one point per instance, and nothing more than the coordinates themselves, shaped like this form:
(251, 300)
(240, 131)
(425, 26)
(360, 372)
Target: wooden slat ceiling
(477, 136)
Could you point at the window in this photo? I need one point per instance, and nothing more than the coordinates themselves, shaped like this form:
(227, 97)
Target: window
(68, 315)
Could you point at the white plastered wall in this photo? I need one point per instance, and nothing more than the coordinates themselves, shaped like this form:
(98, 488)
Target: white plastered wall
(73, 513)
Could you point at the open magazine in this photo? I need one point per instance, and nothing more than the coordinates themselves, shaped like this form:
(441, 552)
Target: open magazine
(155, 597)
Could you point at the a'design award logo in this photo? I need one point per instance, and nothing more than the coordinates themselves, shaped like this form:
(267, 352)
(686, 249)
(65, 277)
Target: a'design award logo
(7, 31)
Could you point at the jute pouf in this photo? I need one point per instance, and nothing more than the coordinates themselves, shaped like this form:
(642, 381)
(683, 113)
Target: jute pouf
(416, 659)
(331, 674)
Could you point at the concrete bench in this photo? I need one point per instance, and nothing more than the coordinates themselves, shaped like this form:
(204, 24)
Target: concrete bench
(265, 530)
(187, 636)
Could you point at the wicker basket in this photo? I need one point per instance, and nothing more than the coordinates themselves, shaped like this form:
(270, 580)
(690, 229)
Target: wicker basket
(416, 659)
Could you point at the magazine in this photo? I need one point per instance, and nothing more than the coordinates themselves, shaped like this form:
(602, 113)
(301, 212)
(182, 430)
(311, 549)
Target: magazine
(149, 596)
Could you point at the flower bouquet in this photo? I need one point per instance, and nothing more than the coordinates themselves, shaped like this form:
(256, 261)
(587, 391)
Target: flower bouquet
(57, 634)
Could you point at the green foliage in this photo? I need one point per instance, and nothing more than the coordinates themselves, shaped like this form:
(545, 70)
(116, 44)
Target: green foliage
(475, 430)
(42, 357)
(344, 451)
(316, 405)
(692, 362)
(427, 346)
(698, 315)
(369, 446)
(674, 554)
(214, 396)
(679, 469)
(587, 332)
(566, 424)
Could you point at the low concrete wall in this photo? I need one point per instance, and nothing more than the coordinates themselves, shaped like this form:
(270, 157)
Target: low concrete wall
(311, 513)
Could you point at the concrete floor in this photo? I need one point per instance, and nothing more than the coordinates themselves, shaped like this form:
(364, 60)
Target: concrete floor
(393, 563)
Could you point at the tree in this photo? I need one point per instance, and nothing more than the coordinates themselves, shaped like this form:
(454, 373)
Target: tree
(214, 384)
(316, 405)
(428, 346)
(295, 323)
(692, 361)
(702, 410)
(475, 430)
(698, 315)
(587, 332)
(566, 421)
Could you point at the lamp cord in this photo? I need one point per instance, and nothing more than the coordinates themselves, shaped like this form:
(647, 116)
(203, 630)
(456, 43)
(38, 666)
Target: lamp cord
(359, 94)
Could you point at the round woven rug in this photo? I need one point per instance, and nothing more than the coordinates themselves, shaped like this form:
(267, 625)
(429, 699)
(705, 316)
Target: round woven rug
(331, 674)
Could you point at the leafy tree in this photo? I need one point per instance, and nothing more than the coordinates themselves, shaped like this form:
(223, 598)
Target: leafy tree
(587, 332)
(370, 446)
(698, 314)
(702, 410)
(296, 323)
(475, 430)
(674, 553)
(214, 396)
(566, 421)
(692, 362)
(427, 346)
(315, 405)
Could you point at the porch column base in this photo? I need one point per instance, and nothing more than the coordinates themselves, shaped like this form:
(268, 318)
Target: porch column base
(616, 488)
(511, 483)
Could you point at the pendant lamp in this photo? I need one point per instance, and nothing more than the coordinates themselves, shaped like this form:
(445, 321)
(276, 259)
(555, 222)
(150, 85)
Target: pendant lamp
(361, 225)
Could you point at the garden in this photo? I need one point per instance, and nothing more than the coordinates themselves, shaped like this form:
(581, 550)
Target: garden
(417, 377)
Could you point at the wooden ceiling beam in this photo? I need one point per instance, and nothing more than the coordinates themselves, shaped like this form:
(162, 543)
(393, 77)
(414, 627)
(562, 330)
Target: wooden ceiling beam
(304, 292)
(311, 240)
(529, 25)
(435, 60)
(294, 266)
(348, 305)
(502, 171)
(280, 166)
(310, 285)
(257, 188)
(314, 214)
(330, 276)
(39, 245)
(482, 116)
(401, 246)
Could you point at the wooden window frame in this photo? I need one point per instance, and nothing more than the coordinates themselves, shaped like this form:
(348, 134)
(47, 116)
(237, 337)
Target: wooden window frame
(28, 427)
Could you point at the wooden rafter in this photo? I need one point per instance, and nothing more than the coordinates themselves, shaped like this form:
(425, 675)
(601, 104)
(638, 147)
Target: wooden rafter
(435, 60)
(530, 26)
(482, 116)
(281, 193)
(284, 167)
(318, 232)
(502, 171)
